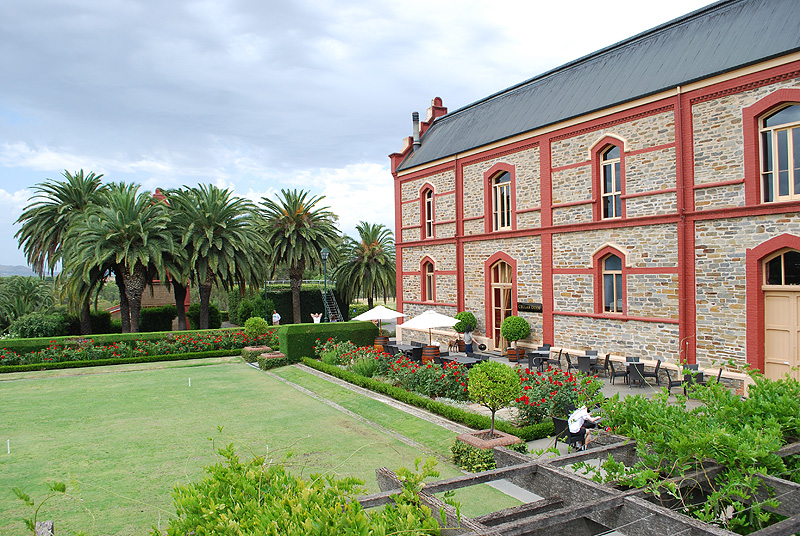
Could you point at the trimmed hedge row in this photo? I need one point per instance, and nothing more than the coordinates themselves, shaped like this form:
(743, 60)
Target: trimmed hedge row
(472, 420)
(120, 361)
(266, 363)
(24, 346)
(297, 340)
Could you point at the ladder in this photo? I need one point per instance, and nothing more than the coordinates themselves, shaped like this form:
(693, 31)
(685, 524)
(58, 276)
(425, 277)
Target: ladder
(331, 307)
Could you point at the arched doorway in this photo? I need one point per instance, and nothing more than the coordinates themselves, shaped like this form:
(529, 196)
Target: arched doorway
(781, 288)
(501, 289)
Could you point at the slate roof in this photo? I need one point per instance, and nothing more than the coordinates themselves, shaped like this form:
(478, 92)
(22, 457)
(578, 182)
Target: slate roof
(715, 39)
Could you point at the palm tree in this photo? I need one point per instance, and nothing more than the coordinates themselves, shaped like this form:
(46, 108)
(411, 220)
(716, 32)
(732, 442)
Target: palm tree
(46, 220)
(367, 267)
(222, 243)
(22, 295)
(128, 233)
(297, 232)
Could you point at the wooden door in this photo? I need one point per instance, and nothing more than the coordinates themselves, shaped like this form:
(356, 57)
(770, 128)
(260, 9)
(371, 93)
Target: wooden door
(782, 334)
(501, 301)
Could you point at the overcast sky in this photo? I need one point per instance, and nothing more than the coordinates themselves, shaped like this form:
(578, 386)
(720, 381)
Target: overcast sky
(259, 95)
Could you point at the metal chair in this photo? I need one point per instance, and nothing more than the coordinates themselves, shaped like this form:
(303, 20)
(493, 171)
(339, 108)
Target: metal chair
(636, 374)
(597, 367)
(654, 374)
(585, 364)
(632, 359)
(591, 353)
(614, 374)
(558, 358)
(678, 382)
(570, 366)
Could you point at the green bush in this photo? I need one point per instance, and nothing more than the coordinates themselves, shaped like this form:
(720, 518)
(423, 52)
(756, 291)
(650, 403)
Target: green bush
(515, 328)
(157, 318)
(548, 394)
(193, 316)
(298, 340)
(255, 326)
(266, 363)
(258, 496)
(365, 366)
(465, 318)
(475, 460)
(100, 321)
(38, 325)
(357, 309)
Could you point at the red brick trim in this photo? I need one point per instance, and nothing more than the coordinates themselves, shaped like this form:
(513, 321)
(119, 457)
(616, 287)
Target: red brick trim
(621, 318)
(488, 195)
(717, 184)
(650, 192)
(487, 270)
(602, 123)
(597, 181)
(597, 262)
(499, 152)
(760, 82)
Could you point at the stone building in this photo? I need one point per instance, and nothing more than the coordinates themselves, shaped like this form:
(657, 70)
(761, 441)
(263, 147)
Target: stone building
(641, 200)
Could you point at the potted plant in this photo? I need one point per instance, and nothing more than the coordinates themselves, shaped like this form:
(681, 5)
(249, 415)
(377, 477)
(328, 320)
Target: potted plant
(465, 319)
(494, 386)
(513, 329)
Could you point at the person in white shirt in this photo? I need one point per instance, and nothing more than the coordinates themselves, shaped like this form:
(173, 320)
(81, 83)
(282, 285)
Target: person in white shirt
(276, 318)
(579, 422)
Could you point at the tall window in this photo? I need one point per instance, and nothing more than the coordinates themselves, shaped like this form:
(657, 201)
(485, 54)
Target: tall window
(428, 200)
(502, 287)
(611, 179)
(612, 284)
(783, 269)
(428, 283)
(501, 201)
(780, 155)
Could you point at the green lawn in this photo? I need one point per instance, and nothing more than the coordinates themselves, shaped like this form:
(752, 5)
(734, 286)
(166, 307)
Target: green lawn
(122, 437)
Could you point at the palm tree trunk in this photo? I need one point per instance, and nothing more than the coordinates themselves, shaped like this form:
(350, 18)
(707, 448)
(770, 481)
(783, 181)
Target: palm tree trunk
(124, 308)
(179, 291)
(205, 298)
(295, 282)
(134, 288)
(370, 302)
(86, 318)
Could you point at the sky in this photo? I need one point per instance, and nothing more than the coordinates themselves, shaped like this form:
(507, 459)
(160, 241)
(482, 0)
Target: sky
(263, 95)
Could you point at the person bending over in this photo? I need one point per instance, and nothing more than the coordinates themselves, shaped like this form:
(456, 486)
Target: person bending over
(579, 422)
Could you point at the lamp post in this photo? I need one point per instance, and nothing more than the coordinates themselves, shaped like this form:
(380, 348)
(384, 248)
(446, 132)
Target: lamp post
(324, 254)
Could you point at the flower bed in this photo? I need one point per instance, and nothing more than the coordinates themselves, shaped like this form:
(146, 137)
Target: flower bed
(549, 393)
(86, 350)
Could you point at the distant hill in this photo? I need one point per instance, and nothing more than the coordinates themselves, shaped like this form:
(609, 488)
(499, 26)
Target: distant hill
(8, 271)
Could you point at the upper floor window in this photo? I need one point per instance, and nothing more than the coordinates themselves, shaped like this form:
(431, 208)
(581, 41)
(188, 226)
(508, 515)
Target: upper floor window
(427, 282)
(612, 284)
(783, 269)
(501, 201)
(611, 180)
(427, 198)
(780, 155)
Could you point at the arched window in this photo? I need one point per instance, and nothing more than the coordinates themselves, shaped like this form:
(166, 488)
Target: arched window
(428, 282)
(502, 285)
(611, 181)
(783, 269)
(427, 200)
(501, 201)
(780, 155)
(612, 284)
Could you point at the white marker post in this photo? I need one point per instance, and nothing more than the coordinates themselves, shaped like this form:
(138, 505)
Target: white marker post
(190, 382)
(8, 444)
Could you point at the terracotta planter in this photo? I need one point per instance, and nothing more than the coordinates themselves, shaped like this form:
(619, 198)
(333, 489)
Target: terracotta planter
(380, 343)
(461, 345)
(481, 440)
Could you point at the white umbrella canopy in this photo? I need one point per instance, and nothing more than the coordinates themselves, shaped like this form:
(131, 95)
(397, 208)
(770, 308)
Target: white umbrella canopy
(430, 319)
(379, 313)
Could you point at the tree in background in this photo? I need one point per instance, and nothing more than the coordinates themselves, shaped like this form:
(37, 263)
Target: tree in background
(297, 230)
(22, 295)
(47, 219)
(129, 230)
(221, 238)
(367, 265)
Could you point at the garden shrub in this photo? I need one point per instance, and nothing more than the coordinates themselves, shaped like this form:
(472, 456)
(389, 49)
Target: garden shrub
(549, 393)
(366, 366)
(465, 318)
(448, 380)
(266, 363)
(193, 316)
(157, 318)
(255, 326)
(260, 496)
(100, 321)
(515, 328)
(298, 340)
(38, 325)
(475, 460)
(357, 309)
(333, 351)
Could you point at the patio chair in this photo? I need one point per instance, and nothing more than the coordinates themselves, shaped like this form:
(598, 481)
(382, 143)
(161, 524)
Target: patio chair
(545, 347)
(437, 359)
(416, 354)
(444, 354)
(558, 358)
(591, 353)
(597, 367)
(653, 374)
(392, 350)
(584, 364)
(631, 359)
(570, 366)
(614, 374)
(704, 381)
(415, 343)
(677, 382)
(636, 374)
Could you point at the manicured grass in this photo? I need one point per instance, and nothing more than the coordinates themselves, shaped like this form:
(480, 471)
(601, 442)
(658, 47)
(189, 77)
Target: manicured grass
(122, 437)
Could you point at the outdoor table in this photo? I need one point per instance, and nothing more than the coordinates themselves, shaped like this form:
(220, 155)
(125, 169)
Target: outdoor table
(542, 355)
(404, 347)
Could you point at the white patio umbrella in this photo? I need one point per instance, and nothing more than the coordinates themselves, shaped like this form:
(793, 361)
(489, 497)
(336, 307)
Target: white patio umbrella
(430, 319)
(379, 313)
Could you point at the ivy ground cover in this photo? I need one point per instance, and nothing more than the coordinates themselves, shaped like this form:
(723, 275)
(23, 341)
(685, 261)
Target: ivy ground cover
(121, 437)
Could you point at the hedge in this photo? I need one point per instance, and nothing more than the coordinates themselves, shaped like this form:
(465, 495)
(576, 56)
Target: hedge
(266, 363)
(279, 297)
(120, 361)
(472, 420)
(23, 346)
(297, 340)
(157, 318)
